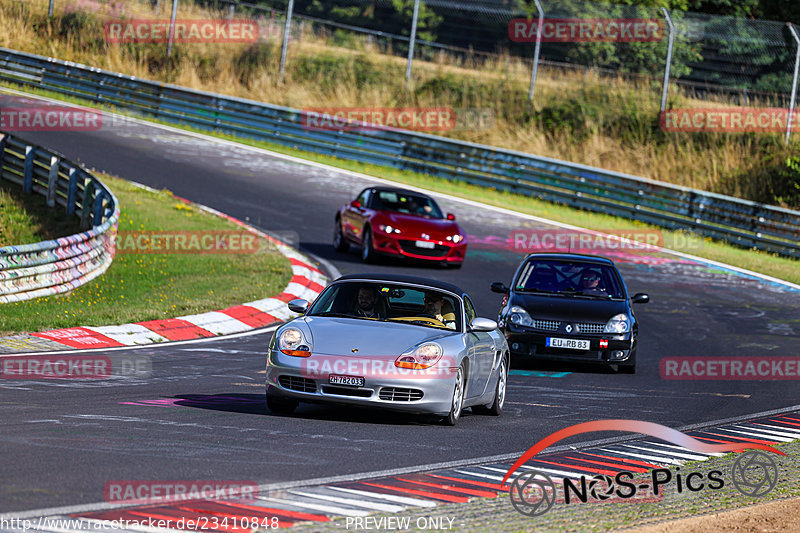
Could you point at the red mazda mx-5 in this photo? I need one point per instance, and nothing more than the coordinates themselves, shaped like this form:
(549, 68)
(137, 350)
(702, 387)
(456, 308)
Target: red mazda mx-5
(391, 221)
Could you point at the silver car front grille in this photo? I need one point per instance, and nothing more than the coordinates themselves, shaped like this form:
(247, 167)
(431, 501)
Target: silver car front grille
(583, 327)
(398, 394)
(297, 383)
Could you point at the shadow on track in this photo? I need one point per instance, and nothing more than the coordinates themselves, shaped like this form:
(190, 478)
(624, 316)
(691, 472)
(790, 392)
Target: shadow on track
(255, 404)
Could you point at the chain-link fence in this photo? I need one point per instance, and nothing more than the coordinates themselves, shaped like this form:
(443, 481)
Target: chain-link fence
(733, 60)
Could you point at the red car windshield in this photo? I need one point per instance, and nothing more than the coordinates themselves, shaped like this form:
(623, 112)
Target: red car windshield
(411, 204)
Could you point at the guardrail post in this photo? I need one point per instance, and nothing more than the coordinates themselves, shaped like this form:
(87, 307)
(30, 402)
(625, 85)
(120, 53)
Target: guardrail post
(27, 182)
(72, 190)
(794, 82)
(52, 181)
(98, 209)
(670, 44)
(86, 204)
(537, 48)
(286, 29)
(412, 40)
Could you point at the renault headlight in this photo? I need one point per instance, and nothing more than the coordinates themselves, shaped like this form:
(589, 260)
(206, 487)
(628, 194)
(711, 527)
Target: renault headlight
(520, 316)
(620, 323)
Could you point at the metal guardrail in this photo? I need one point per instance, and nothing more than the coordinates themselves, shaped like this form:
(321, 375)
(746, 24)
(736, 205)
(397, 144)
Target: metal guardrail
(60, 265)
(742, 222)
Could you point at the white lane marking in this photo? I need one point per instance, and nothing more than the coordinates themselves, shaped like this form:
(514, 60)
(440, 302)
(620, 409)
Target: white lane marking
(687, 456)
(789, 432)
(216, 322)
(332, 509)
(479, 474)
(660, 461)
(681, 448)
(765, 436)
(350, 501)
(388, 497)
(129, 334)
(374, 179)
(170, 345)
(311, 275)
(565, 473)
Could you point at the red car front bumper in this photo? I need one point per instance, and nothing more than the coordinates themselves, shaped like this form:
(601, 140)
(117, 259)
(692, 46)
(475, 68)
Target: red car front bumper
(440, 251)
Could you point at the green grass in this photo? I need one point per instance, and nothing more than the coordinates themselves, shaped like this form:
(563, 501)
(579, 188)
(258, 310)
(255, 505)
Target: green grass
(25, 218)
(141, 287)
(766, 263)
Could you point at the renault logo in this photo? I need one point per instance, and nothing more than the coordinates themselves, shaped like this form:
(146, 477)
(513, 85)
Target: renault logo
(354, 350)
(425, 236)
(569, 328)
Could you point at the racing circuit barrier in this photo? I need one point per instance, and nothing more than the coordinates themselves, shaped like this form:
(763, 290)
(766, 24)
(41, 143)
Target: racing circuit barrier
(60, 265)
(745, 223)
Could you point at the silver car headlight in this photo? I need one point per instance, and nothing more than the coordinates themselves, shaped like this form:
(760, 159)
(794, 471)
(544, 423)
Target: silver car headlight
(620, 323)
(292, 342)
(424, 356)
(520, 316)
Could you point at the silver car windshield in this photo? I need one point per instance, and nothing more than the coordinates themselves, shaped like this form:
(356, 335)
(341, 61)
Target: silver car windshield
(389, 302)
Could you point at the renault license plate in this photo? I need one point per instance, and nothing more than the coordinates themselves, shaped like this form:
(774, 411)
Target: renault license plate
(571, 344)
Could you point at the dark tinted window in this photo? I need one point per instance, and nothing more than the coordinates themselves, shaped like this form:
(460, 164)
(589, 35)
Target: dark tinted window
(569, 277)
(412, 204)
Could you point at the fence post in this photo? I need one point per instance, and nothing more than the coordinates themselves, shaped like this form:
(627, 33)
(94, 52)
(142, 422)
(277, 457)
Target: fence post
(98, 209)
(52, 181)
(286, 28)
(27, 181)
(536, 49)
(3, 140)
(231, 10)
(72, 190)
(794, 82)
(87, 204)
(669, 57)
(50, 9)
(172, 27)
(412, 39)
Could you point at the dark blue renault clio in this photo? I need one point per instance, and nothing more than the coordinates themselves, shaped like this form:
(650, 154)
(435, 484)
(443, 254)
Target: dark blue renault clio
(570, 307)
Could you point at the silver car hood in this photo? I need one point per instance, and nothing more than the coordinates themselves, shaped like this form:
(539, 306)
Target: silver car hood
(339, 336)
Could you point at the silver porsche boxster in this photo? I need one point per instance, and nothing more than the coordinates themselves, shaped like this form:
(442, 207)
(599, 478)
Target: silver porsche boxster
(399, 342)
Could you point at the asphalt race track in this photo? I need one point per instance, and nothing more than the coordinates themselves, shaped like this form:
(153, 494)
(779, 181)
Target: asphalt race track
(201, 414)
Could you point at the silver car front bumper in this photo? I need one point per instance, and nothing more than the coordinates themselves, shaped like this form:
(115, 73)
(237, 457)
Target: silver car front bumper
(413, 391)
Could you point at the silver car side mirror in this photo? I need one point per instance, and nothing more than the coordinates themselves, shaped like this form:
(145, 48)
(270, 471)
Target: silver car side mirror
(298, 306)
(483, 324)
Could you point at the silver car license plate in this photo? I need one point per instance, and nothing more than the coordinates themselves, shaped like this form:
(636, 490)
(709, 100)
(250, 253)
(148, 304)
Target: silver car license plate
(355, 381)
(572, 344)
(426, 244)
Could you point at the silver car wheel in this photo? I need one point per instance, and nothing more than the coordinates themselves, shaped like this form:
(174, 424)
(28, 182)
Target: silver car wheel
(501, 384)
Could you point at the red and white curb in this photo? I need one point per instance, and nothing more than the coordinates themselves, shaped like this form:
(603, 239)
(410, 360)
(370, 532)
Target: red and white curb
(307, 282)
